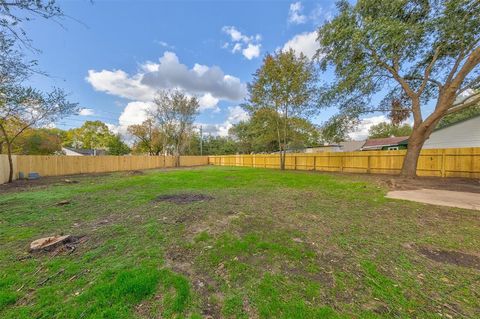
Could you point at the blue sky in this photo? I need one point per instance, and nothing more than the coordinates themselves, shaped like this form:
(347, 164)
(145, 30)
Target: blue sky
(121, 52)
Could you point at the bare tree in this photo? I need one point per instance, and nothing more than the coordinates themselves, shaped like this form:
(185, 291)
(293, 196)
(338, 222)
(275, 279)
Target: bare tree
(22, 108)
(174, 113)
(14, 14)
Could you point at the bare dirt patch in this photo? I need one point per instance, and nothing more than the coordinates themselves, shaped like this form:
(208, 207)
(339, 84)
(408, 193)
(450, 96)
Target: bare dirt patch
(44, 182)
(134, 173)
(183, 198)
(450, 257)
(393, 182)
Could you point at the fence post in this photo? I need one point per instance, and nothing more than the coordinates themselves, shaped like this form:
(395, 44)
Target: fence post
(368, 164)
(314, 162)
(443, 169)
(341, 163)
(295, 162)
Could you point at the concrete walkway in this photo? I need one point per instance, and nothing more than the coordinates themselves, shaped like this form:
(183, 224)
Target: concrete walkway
(439, 197)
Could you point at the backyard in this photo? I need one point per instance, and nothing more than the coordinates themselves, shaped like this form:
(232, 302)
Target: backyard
(225, 242)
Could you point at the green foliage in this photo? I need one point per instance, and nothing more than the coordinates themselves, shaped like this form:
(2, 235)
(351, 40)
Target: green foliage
(385, 129)
(336, 129)
(148, 138)
(406, 54)
(41, 141)
(91, 135)
(459, 116)
(286, 85)
(259, 133)
(116, 146)
(218, 145)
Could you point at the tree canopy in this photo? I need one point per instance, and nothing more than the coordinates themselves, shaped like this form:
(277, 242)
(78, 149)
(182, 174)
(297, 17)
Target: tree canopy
(286, 83)
(91, 135)
(412, 53)
(385, 129)
(259, 134)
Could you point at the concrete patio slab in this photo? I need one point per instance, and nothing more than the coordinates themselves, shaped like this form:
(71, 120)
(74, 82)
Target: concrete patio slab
(439, 197)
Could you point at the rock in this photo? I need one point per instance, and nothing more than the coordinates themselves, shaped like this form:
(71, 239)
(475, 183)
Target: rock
(48, 243)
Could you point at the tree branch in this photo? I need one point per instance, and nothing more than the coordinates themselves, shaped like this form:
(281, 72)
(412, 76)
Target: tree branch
(428, 71)
(471, 62)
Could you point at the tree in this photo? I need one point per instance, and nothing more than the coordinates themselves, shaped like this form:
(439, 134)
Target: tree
(41, 141)
(148, 138)
(117, 147)
(285, 83)
(336, 129)
(259, 133)
(219, 145)
(385, 129)
(459, 116)
(23, 108)
(14, 14)
(174, 113)
(91, 135)
(414, 53)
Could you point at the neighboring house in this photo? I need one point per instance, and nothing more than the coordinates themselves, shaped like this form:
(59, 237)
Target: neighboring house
(70, 151)
(323, 149)
(347, 146)
(388, 143)
(351, 146)
(465, 133)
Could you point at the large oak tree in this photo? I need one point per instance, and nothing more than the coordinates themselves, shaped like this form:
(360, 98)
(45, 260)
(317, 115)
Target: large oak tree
(421, 56)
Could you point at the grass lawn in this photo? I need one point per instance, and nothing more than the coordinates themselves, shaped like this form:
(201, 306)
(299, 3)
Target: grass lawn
(269, 244)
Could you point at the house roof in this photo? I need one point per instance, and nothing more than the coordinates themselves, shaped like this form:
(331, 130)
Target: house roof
(351, 146)
(84, 151)
(387, 141)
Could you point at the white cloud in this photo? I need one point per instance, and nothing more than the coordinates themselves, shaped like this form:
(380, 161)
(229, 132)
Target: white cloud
(134, 113)
(237, 47)
(164, 44)
(236, 114)
(361, 132)
(251, 51)
(295, 14)
(119, 83)
(207, 101)
(168, 73)
(86, 112)
(249, 46)
(304, 42)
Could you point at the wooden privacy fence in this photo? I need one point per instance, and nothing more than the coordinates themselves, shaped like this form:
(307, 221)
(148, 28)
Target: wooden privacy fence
(451, 162)
(69, 165)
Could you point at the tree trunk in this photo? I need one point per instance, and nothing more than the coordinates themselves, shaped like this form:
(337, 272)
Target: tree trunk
(415, 144)
(282, 159)
(10, 162)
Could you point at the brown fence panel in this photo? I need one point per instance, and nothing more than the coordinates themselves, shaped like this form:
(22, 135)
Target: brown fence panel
(452, 162)
(69, 165)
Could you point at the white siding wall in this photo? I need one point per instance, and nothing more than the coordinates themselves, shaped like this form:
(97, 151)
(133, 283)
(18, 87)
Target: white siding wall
(70, 152)
(464, 134)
